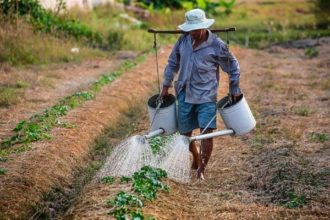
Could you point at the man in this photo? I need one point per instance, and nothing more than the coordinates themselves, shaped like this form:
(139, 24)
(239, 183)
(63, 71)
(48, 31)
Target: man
(198, 56)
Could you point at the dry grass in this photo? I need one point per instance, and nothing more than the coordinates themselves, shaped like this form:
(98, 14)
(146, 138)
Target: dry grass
(21, 45)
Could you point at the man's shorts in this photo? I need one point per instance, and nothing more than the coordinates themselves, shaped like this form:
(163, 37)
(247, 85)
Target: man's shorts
(193, 116)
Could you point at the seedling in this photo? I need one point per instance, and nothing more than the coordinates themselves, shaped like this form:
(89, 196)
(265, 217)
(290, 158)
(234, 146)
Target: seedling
(146, 182)
(108, 179)
(295, 202)
(318, 137)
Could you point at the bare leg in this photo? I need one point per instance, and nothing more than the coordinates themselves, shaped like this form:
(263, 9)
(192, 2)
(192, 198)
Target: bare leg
(194, 151)
(206, 151)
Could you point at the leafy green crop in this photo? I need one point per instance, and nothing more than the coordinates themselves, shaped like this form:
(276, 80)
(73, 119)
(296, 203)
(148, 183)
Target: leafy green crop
(108, 179)
(35, 129)
(145, 185)
(295, 201)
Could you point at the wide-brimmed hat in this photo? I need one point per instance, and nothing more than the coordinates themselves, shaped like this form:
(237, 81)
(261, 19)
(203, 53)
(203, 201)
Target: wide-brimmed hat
(195, 19)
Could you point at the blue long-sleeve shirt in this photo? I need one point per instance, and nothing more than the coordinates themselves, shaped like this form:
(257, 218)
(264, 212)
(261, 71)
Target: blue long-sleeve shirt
(199, 68)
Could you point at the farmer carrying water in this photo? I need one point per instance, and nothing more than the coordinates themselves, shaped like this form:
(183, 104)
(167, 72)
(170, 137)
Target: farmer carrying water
(198, 56)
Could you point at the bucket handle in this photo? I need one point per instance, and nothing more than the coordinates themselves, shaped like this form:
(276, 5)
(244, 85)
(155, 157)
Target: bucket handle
(160, 102)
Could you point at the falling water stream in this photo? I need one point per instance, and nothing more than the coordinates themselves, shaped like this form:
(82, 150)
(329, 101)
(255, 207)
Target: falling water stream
(133, 153)
(174, 158)
(127, 158)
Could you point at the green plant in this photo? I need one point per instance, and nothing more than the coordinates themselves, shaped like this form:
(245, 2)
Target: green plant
(295, 201)
(47, 22)
(157, 142)
(115, 40)
(206, 5)
(303, 111)
(145, 185)
(3, 171)
(227, 5)
(318, 137)
(124, 179)
(108, 179)
(311, 52)
(8, 96)
(22, 84)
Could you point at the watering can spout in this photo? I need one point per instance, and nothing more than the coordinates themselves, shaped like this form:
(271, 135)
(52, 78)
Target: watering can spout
(212, 135)
(154, 133)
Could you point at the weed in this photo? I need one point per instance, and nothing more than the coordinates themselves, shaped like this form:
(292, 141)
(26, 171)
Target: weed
(289, 75)
(22, 84)
(302, 111)
(295, 201)
(311, 52)
(325, 84)
(108, 179)
(267, 86)
(124, 179)
(3, 171)
(318, 137)
(8, 96)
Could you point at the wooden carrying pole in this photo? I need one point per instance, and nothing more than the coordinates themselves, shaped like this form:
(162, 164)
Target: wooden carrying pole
(150, 30)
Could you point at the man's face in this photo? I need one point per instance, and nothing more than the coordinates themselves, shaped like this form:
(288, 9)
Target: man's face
(196, 34)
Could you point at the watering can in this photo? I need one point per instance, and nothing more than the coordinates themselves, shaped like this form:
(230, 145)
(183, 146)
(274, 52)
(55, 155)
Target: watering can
(237, 117)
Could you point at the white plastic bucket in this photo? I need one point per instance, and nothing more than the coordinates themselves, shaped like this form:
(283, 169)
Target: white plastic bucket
(237, 117)
(165, 117)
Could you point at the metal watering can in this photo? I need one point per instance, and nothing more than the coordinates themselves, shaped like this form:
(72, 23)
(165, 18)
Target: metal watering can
(238, 118)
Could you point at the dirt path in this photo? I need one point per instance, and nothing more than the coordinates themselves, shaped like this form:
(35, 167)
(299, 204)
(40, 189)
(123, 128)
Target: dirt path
(284, 159)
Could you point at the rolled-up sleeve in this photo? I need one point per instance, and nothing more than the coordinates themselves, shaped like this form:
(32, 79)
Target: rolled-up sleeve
(172, 66)
(231, 67)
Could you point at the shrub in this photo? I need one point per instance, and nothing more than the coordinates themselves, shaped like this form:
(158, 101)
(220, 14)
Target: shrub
(322, 13)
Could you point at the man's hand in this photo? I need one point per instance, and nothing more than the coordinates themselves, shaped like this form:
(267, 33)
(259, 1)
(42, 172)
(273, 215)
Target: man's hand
(164, 94)
(236, 97)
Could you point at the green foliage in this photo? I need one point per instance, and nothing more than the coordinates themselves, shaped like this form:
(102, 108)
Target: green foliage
(157, 142)
(295, 201)
(22, 84)
(115, 40)
(47, 22)
(124, 179)
(147, 182)
(303, 111)
(8, 96)
(108, 179)
(318, 137)
(3, 171)
(21, 7)
(311, 52)
(145, 185)
(206, 5)
(227, 5)
(322, 12)
(161, 4)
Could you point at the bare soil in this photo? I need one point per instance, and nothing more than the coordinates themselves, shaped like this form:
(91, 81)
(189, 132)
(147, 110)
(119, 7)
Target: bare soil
(255, 176)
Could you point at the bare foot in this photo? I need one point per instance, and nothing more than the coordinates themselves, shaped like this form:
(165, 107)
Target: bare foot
(200, 175)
